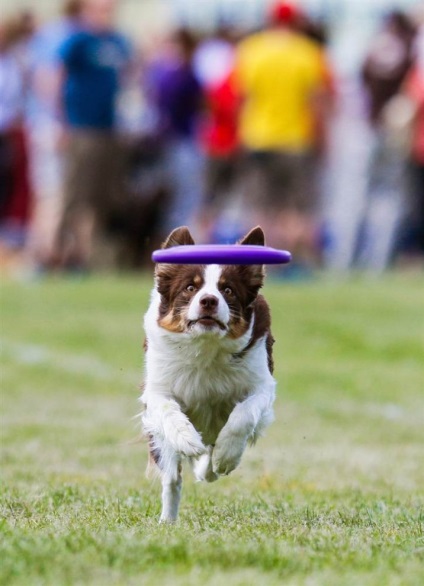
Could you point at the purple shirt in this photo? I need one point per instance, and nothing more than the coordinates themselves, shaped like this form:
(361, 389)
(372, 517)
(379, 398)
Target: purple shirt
(177, 95)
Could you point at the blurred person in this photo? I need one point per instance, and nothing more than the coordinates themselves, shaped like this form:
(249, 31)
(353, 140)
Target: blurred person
(214, 64)
(45, 131)
(176, 94)
(386, 65)
(283, 79)
(213, 57)
(15, 188)
(411, 246)
(94, 60)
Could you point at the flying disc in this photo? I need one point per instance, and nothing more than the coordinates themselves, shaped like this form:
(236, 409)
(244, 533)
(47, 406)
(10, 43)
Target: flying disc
(224, 254)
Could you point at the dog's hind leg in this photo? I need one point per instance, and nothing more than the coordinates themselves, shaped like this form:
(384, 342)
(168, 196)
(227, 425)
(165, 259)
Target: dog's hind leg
(171, 493)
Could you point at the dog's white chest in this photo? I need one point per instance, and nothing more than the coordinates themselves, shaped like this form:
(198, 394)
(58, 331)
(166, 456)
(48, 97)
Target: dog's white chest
(207, 381)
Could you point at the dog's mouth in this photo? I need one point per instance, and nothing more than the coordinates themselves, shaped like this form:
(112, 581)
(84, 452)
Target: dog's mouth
(208, 321)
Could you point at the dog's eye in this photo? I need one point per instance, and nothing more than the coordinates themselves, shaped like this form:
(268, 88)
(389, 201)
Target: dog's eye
(191, 288)
(228, 291)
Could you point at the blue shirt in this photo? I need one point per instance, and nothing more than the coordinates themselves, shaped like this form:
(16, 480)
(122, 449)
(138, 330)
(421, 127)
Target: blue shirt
(93, 65)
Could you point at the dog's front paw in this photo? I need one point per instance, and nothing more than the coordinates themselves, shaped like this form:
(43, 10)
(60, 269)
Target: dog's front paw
(191, 445)
(227, 453)
(185, 440)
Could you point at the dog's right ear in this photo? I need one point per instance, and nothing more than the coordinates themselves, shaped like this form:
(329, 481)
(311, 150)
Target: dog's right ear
(165, 272)
(179, 236)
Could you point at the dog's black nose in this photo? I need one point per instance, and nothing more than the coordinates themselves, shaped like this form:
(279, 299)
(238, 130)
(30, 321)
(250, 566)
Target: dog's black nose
(209, 302)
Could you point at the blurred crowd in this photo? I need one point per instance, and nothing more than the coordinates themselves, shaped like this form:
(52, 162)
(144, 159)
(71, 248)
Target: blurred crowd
(107, 144)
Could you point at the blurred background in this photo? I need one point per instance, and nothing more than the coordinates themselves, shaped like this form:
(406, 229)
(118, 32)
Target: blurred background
(122, 119)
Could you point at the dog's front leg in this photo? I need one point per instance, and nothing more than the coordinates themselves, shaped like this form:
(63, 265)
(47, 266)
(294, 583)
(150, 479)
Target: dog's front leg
(170, 427)
(171, 493)
(246, 419)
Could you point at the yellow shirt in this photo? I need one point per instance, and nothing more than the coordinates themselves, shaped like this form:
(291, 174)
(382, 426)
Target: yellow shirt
(277, 72)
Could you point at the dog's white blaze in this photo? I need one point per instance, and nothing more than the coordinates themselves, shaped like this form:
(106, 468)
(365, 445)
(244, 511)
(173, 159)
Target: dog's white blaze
(212, 274)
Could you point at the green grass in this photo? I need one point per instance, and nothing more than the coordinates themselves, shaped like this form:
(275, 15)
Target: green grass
(333, 495)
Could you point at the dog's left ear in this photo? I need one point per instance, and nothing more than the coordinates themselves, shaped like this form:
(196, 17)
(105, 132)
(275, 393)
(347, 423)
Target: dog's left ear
(256, 237)
(254, 274)
(179, 236)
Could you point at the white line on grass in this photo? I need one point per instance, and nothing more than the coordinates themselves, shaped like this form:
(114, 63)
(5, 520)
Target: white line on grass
(88, 365)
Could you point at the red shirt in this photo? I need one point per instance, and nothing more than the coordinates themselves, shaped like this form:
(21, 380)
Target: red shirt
(220, 136)
(414, 89)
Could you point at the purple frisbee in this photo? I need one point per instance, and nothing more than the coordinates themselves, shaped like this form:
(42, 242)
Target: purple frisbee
(224, 254)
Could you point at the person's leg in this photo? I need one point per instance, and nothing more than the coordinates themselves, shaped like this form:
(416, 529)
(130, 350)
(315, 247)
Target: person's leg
(74, 238)
(47, 178)
(253, 182)
(419, 186)
(109, 199)
(222, 206)
(185, 167)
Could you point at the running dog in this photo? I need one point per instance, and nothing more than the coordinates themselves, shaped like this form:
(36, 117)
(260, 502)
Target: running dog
(208, 389)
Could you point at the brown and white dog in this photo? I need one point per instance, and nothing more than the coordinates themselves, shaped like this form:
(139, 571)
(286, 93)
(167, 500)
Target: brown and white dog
(208, 388)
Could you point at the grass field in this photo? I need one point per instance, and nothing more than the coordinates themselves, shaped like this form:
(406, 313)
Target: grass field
(333, 495)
